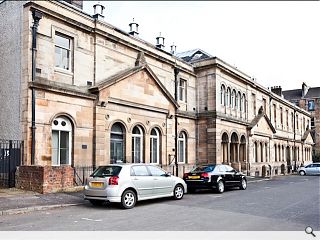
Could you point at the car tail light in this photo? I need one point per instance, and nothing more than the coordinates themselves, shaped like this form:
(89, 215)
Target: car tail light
(204, 175)
(185, 175)
(113, 180)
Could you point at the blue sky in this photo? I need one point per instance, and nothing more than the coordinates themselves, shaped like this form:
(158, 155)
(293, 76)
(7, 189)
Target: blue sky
(275, 42)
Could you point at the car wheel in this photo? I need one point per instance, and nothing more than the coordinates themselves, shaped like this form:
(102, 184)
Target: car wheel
(302, 173)
(178, 192)
(128, 199)
(97, 202)
(220, 186)
(243, 184)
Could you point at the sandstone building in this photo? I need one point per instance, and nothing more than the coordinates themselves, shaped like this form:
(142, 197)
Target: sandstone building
(308, 98)
(81, 92)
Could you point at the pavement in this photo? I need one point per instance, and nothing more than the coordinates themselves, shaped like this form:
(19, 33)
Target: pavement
(17, 201)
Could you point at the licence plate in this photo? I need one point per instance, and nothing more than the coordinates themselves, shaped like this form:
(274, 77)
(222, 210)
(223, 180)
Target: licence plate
(194, 177)
(96, 184)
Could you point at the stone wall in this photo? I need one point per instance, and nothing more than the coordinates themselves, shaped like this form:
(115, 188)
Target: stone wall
(45, 179)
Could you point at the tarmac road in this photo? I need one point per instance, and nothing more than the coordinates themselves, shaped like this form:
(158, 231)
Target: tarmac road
(284, 203)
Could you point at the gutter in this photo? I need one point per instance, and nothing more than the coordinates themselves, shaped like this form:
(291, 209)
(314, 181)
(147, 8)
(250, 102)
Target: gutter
(37, 15)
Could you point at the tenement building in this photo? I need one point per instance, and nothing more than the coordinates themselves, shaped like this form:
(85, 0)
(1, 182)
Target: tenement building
(308, 98)
(81, 92)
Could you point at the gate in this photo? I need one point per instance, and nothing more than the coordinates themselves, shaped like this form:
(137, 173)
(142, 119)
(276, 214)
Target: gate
(11, 153)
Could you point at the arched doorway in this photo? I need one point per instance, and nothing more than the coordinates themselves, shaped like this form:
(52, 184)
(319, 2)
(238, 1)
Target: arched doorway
(283, 169)
(288, 158)
(224, 147)
(264, 171)
(234, 146)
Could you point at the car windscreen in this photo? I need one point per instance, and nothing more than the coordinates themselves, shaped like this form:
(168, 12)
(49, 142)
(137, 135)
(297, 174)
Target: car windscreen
(106, 171)
(203, 169)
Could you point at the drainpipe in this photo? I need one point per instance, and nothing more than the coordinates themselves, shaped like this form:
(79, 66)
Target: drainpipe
(37, 15)
(294, 140)
(176, 72)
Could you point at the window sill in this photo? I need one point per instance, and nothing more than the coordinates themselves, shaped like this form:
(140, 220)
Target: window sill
(63, 71)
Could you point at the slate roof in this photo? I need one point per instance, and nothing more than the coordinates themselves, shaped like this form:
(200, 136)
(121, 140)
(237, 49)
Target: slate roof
(297, 93)
(313, 93)
(193, 55)
(292, 94)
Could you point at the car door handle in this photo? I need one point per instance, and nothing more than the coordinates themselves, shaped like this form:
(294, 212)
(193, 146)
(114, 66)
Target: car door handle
(155, 179)
(136, 179)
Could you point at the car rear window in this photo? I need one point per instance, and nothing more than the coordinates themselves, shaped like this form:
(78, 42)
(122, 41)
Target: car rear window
(106, 171)
(203, 169)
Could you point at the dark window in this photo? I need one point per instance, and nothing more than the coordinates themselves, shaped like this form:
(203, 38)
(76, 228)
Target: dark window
(311, 105)
(203, 169)
(105, 171)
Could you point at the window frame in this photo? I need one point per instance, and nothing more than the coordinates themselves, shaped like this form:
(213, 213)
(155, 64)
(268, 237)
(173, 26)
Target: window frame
(69, 50)
(157, 138)
(182, 138)
(59, 129)
(182, 88)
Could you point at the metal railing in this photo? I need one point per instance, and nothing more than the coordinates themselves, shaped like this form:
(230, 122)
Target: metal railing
(11, 154)
(81, 173)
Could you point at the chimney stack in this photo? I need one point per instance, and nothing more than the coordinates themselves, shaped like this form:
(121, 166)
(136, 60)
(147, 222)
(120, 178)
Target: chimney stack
(134, 28)
(304, 89)
(98, 11)
(277, 90)
(173, 49)
(160, 42)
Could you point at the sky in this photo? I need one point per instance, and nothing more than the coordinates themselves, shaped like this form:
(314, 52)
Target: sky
(277, 43)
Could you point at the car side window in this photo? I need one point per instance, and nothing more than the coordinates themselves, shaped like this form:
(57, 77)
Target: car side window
(229, 169)
(140, 171)
(155, 171)
(222, 168)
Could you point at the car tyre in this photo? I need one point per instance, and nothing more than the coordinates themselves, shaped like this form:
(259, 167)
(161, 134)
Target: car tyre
(220, 186)
(178, 192)
(128, 199)
(96, 202)
(302, 173)
(243, 184)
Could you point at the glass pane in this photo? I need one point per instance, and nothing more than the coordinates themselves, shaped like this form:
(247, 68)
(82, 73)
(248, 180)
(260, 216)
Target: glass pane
(65, 59)
(55, 143)
(181, 151)
(64, 147)
(64, 156)
(155, 171)
(140, 171)
(62, 41)
(58, 56)
(155, 150)
(136, 130)
(116, 128)
(119, 151)
(112, 152)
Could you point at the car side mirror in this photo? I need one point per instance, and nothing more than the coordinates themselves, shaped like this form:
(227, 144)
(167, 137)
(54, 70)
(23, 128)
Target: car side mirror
(168, 174)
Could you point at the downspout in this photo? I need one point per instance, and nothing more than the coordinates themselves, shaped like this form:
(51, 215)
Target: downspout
(294, 140)
(37, 15)
(176, 72)
(94, 112)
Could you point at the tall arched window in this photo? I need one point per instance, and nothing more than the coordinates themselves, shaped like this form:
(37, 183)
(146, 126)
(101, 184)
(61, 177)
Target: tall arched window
(155, 146)
(244, 103)
(228, 98)
(223, 95)
(117, 143)
(182, 147)
(238, 99)
(61, 141)
(137, 145)
(233, 98)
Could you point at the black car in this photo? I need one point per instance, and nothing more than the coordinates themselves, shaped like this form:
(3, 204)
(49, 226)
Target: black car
(214, 176)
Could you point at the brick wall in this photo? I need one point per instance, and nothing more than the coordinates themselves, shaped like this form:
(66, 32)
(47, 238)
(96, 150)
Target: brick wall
(45, 179)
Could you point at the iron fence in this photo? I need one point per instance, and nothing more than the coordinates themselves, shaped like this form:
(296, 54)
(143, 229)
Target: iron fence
(81, 173)
(11, 153)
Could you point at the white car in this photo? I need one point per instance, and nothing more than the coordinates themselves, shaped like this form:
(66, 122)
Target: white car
(128, 183)
(310, 169)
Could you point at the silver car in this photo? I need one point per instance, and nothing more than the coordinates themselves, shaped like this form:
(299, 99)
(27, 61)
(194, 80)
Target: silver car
(128, 183)
(310, 169)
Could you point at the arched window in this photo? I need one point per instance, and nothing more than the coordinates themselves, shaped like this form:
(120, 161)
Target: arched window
(155, 146)
(238, 99)
(137, 145)
(244, 103)
(233, 98)
(228, 98)
(223, 95)
(117, 143)
(61, 141)
(182, 147)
